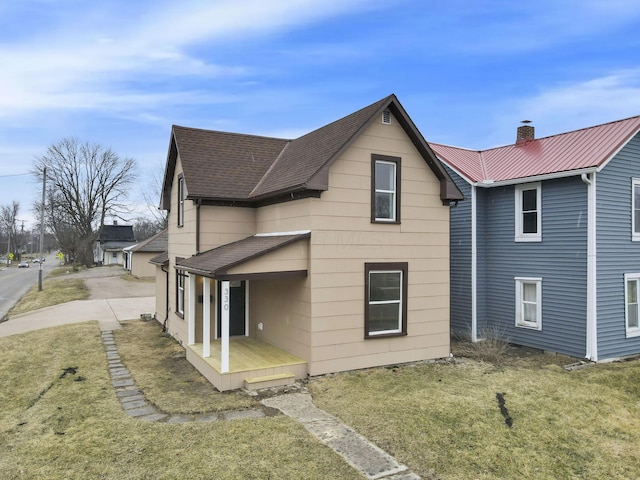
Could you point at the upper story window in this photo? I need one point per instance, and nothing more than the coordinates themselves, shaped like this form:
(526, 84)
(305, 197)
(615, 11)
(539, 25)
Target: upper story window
(635, 209)
(528, 207)
(180, 201)
(631, 305)
(529, 303)
(385, 189)
(385, 299)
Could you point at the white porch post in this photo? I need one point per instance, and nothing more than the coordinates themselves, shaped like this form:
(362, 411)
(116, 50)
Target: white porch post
(224, 339)
(191, 314)
(206, 317)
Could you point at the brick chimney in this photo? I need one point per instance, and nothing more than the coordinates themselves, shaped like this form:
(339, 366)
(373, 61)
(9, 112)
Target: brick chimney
(525, 133)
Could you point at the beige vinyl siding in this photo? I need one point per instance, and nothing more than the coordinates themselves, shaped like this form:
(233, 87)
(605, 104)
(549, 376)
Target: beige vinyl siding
(222, 225)
(140, 266)
(283, 307)
(288, 258)
(284, 217)
(343, 239)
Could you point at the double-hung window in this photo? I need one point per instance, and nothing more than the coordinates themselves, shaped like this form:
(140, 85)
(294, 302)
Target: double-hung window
(180, 201)
(180, 279)
(385, 299)
(528, 207)
(529, 302)
(385, 189)
(632, 316)
(635, 209)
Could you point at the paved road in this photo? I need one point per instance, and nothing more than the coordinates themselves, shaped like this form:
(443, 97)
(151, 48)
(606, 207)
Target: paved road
(15, 282)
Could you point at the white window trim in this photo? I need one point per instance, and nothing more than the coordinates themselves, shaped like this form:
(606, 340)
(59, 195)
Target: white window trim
(519, 235)
(180, 222)
(635, 182)
(180, 294)
(388, 302)
(634, 331)
(394, 192)
(520, 281)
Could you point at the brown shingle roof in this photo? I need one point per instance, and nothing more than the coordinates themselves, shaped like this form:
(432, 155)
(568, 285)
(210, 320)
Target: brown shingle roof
(162, 259)
(219, 260)
(223, 165)
(231, 167)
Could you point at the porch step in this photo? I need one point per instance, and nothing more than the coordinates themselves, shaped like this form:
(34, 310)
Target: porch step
(256, 383)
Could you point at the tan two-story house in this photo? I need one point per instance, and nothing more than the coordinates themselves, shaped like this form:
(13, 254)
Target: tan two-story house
(289, 258)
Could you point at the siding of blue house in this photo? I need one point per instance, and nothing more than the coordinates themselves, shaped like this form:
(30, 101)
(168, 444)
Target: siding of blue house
(617, 254)
(560, 260)
(460, 260)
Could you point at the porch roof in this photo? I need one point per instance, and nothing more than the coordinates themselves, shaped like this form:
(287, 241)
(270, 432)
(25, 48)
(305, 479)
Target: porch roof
(217, 262)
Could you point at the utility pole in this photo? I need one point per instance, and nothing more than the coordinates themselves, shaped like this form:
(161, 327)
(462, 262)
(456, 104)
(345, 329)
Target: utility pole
(44, 183)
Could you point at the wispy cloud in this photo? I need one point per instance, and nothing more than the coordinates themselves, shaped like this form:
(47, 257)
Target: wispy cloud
(582, 104)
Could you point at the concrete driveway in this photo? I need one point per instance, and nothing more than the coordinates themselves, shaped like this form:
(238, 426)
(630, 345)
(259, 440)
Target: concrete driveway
(112, 299)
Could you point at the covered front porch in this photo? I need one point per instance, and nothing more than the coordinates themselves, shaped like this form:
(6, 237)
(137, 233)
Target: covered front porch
(238, 311)
(252, 364)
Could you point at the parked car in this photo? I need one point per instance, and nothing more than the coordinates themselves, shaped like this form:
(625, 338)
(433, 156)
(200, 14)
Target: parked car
(23, 264)
(35, 260)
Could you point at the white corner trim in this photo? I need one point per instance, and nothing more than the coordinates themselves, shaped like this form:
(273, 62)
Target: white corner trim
(474, 267)
(592, 312)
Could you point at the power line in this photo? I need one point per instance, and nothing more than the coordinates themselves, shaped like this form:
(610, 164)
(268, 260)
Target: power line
(16, 175)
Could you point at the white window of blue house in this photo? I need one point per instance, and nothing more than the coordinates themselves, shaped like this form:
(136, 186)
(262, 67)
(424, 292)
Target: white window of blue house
(529, 302)
(528, 208)
(631, 315)
(635, 209)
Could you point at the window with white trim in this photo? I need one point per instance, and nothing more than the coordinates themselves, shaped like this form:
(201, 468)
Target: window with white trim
(528, 207)
(180, 278)
(385, 189)
(635, 209)
(631, 306)
(385, 299)
(529, 302)
(180, 201)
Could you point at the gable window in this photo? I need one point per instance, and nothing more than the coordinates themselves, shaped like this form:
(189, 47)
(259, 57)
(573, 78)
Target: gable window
(180, 201)
(385, 299)
(529, 303)
(385, 189)
(635, 209)
(528, 213)
(631, 314)
(180, 279)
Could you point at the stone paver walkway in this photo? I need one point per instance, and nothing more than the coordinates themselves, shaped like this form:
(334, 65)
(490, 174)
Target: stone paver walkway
(136, 405)
(365, 457)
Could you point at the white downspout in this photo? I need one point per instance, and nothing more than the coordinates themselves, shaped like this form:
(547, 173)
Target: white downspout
(474, 271)
(592, 313)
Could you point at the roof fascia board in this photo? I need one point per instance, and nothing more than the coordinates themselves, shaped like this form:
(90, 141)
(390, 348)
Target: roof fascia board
(536, 178)
(172, 158)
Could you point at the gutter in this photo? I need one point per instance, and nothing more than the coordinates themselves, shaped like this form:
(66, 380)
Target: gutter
(592, 289)
(166, 312)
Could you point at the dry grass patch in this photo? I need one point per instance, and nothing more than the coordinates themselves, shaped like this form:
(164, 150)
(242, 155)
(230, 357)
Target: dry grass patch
(72, 426)
(133, 279)
(445, 422)
(55, 290)
(160, 368)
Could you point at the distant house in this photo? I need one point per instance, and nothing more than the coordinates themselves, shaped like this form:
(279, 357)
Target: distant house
(546, 251)
(289, 258)
(136, 257)
(109, 249)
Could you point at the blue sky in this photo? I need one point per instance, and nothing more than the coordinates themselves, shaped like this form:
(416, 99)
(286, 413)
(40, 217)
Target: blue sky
(120, 73)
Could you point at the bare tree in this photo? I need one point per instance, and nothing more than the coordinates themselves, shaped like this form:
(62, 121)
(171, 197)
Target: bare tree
(8, 218)
(84, 181)
(144, 228)
(152, 198)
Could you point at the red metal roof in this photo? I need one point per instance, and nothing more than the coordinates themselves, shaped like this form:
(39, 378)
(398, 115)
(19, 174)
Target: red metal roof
(581, 149)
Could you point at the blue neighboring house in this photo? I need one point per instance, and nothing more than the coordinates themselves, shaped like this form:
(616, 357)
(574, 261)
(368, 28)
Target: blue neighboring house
(546, 247)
